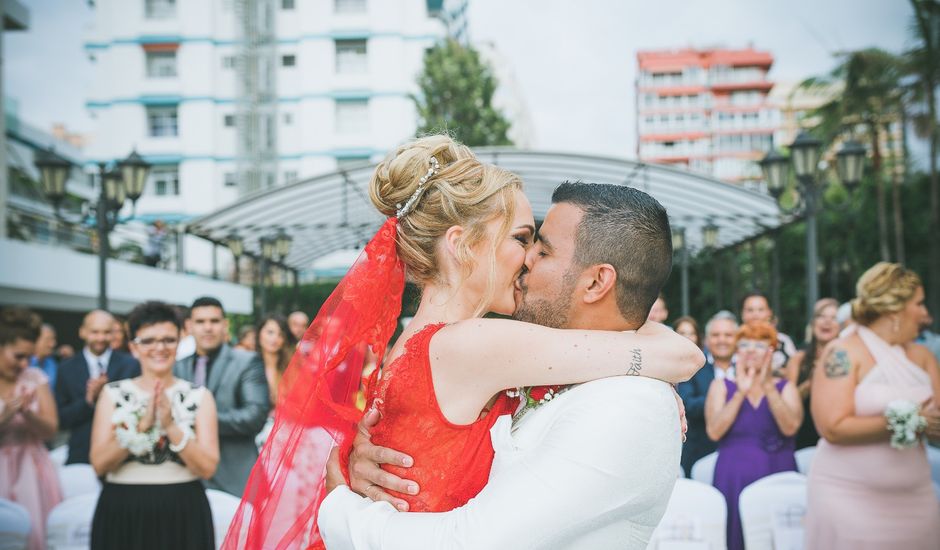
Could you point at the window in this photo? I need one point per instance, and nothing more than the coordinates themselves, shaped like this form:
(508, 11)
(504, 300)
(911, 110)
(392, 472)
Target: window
(161, 121)
(166, 180)
(351, 56)
(352, 116)
(230, 179)
(288, 119)
(289, 60)
(349, 6)
(290, 176)
(161, 64)
(159, 9)
(348, 162)
(229, 121)
(228, 62)
(287, 4)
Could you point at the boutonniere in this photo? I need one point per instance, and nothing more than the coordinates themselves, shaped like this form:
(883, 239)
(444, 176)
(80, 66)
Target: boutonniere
(535, 396)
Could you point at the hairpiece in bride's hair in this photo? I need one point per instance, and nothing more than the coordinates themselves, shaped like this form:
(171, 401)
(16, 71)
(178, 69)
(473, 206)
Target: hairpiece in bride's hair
(403, 210)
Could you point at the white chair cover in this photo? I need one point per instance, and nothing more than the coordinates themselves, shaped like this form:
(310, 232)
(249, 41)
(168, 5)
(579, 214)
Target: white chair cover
(78, 479)
(69, 524)
(224, 506)
(804, 459)
(695, 519)
(772, 511)
(704, 469)
(59, 455)
(15, 525)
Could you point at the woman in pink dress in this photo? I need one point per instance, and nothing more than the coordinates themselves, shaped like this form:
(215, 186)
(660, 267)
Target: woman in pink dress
(865, 490)
(27, 418)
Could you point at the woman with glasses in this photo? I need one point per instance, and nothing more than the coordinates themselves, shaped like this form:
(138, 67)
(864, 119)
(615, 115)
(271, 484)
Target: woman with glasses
(153, 438)
(753, 418)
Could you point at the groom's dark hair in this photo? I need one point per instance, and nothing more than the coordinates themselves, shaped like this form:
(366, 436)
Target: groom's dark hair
(628, 229)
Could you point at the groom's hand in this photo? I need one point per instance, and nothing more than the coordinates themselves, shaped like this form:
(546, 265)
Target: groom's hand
(365, 475)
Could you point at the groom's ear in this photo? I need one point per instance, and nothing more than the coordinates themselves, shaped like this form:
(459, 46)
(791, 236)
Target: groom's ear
(603, 278)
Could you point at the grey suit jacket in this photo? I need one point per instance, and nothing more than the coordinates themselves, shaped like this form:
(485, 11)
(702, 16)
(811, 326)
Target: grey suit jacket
(240, 388)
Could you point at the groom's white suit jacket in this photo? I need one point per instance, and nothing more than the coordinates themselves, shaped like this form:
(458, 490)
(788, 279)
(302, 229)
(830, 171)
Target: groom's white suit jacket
(591, 469)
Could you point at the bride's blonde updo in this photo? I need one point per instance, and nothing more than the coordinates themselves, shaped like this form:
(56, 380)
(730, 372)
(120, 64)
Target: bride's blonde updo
(463, 192)
(884, 289)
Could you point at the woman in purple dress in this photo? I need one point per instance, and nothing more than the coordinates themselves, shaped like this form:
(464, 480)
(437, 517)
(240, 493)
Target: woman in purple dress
(754, 418)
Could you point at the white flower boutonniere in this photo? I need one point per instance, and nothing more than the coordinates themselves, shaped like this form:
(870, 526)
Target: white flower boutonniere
(905, 423)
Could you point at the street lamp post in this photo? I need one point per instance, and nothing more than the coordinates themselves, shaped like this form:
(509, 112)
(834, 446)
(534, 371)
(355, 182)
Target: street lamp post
(679, 244)
(237, 246)
(806, 151)
(710, 242)
(273, 247)
(125, 181)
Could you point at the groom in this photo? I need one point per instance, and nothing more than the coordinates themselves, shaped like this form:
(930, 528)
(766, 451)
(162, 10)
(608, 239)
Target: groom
(594, 466)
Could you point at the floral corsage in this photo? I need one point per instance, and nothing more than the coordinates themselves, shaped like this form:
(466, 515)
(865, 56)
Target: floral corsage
(905, 423)
(535, 396)
(125, 420)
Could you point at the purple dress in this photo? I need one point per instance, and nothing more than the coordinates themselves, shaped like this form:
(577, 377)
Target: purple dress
(752, 449)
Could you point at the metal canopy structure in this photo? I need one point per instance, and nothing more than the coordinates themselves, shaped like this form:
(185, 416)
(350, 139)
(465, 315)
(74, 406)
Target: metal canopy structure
(332, 212)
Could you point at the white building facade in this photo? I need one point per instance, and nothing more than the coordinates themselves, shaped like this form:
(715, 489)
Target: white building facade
(342, 72)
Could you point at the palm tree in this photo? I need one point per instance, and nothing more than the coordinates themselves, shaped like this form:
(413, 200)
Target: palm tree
(923, 62)
(869, 98)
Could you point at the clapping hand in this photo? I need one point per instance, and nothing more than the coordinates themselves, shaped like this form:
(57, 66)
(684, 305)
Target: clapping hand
(930, 411)
(745, 378)
(10, 408)
(164, 411)
(149, 418)
(93, 388)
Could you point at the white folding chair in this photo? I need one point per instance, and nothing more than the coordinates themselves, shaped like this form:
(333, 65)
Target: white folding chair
(15, 526)
(703, 470)
(695, 519)
(772, 511)
(68, 526)
(223, 507)
(78, 479)
(804, 459)
(59, 455)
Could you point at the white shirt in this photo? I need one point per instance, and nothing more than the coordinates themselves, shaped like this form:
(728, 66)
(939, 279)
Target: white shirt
(592, 469)
(97, 364)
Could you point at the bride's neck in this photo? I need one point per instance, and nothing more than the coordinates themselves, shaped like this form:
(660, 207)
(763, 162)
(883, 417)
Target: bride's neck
(444, 304)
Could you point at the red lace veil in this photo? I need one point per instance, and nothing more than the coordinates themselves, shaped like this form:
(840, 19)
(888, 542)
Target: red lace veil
(316, 409)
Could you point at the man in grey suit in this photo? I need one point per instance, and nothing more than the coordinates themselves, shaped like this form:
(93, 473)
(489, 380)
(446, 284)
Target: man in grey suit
(236, 379)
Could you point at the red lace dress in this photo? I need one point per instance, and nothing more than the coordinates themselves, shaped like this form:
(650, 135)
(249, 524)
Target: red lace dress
(452, 462)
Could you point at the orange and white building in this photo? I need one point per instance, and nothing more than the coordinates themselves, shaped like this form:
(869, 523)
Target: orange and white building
(705, 110)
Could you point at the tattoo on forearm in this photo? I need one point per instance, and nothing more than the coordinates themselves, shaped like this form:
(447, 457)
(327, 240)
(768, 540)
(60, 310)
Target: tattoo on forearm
(838, 364)
(636, 362)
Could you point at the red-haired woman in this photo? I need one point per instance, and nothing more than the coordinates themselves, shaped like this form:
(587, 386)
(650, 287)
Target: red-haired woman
(754, 419)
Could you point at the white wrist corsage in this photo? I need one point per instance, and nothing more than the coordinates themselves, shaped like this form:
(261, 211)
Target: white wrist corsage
(125, 423)
(905, 423)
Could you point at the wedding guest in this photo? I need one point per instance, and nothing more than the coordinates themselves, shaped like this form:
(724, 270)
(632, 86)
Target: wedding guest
(44, 359)
(276, 346)
(753, 419)
(247, 338)
(874, 396)
(298, 322)
(119, 334)
(81, 378)
(928, 338)
(823, 329)
(659, 313)
(236, 380)
(187, 345)
(755, 307)
(64, 353)
(688, 327)
(27, 419)
(719, 338)
(154, 437)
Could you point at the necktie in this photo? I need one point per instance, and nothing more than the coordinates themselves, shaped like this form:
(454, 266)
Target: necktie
(199, 373)
(102, 368)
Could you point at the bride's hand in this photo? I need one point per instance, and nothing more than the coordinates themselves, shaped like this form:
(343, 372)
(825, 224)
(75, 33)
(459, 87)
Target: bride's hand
(365, 475)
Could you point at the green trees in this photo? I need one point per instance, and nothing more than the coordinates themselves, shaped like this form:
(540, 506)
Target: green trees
(456, 96)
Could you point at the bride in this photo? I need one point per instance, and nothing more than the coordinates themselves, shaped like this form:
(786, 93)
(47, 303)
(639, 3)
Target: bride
(460, 229)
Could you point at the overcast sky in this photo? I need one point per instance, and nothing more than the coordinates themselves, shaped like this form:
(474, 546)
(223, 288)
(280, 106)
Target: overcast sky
(575, 61)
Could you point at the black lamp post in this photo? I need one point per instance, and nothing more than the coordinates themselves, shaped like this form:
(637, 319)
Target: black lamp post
(115, 187)
(268, 247)
(237, 246)
(806, 152)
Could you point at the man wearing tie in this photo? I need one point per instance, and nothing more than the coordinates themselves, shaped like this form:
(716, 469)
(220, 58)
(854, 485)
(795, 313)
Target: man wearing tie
(81, 378)
(236, 379)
